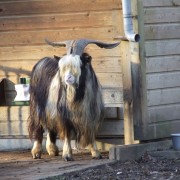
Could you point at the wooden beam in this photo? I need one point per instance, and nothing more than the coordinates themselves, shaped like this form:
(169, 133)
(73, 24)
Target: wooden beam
(111, 128)
(36, 37)
(131, 83)
(164, 113)
(12, 53)
(162, 47)
(61, 21)
(160, 3)
(161, 15)
(17, 7)
(163, 80)
(127, 93)
(162, 31)
(162, 64)
(163, 96)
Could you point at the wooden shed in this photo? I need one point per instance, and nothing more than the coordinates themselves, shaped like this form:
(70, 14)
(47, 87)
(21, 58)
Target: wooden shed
(159, 69)
(141, 85)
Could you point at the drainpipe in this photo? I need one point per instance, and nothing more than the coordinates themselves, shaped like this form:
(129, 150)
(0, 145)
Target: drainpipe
(127, 21)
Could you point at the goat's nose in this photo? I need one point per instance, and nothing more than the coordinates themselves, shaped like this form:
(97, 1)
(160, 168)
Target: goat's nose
(69, 77)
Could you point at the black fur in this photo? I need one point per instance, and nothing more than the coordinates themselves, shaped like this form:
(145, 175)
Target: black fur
(53, 136)
(86, 65)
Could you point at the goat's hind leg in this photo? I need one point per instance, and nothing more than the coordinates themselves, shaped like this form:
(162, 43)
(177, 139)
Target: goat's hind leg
(94, 151)
(51, 147)
(37, 147)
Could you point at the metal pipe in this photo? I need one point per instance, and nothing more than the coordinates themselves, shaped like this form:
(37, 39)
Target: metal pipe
(127, 21)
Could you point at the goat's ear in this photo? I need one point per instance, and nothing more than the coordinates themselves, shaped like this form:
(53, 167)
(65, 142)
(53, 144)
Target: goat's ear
(89, 58)
(57, 57)
(86, 58)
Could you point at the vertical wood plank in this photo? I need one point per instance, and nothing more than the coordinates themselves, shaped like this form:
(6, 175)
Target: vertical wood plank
(127, 93)
(131, 71)
(139, 79)
(135, 72)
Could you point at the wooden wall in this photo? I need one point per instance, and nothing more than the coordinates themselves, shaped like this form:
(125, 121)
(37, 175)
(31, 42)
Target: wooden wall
(159, 25)
(23, 27)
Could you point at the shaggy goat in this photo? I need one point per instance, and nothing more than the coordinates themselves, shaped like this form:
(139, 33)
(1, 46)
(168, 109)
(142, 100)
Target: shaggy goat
(66, 99)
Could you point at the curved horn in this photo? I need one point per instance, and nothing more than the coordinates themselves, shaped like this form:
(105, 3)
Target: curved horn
(80, 44)
(68, 44)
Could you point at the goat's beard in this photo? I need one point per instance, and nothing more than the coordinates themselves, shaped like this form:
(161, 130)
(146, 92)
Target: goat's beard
(70, 93)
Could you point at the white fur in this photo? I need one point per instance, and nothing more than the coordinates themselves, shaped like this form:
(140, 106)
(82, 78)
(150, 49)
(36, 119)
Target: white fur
(94, 150)
(36, 150)
(67, 151)
(51, 107)
(51, 148)
(70, 65)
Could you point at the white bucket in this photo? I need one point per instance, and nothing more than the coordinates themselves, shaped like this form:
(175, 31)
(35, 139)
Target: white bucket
(22, 92)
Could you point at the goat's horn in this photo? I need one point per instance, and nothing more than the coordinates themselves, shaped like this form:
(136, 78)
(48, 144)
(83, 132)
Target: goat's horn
(79, 45)
(68, 44)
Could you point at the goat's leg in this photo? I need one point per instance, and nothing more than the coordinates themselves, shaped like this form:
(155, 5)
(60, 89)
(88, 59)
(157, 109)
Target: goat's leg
(67, 151)
(37, 147)
(94, 151)
(51, 147)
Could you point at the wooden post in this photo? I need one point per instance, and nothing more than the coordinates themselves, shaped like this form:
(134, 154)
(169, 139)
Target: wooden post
(127, 93)
(136, 74)
(130, 67)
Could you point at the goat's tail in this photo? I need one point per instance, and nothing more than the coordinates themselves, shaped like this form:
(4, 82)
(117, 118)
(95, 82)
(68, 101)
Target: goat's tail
(35, 128)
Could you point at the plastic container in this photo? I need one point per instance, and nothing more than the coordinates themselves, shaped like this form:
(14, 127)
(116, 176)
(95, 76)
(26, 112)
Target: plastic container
(22, 92)
(176, 141)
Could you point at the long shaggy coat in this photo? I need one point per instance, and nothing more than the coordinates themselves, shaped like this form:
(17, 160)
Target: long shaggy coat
(73, 110)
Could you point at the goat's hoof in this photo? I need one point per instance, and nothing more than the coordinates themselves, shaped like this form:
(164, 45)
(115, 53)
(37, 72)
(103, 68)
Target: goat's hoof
(97, 157)
(36, 150)
(36, 156)
(54, 152)
(66, 158)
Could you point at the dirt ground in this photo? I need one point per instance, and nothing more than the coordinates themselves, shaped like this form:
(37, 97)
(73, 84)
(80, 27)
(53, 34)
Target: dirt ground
(17, 165)
(147, 167)
(20, 165)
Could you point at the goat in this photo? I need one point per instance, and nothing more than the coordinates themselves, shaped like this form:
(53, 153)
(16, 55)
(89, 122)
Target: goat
(66, 100)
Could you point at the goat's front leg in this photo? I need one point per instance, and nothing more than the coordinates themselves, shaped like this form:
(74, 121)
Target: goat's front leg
(67, 151)
(94, 151)
(37, 147)
(51, 147)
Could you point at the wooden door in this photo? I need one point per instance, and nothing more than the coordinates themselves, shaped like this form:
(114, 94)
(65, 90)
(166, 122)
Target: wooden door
(157, 110)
